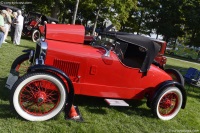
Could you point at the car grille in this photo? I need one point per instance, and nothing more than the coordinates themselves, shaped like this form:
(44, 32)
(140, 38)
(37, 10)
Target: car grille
(69, 67)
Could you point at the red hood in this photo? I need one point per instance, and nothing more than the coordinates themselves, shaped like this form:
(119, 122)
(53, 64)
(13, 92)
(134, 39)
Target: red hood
(65, 33)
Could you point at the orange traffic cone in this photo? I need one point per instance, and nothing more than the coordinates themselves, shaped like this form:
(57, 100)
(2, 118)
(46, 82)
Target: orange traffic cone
(72, 113)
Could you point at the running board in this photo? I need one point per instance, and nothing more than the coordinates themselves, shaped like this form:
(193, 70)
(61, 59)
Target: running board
(116, 102)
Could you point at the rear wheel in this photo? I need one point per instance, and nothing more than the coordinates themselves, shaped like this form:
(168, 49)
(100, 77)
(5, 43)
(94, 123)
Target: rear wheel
(168, 103)
(38, 96)
(35, 35)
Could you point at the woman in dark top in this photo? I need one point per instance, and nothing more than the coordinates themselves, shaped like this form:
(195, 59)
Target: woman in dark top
(13, 25)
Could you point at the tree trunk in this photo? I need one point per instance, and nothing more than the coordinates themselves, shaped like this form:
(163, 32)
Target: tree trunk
(75, 12)
(55, 11)
(174, 47)
(95, 23)
(193, 36)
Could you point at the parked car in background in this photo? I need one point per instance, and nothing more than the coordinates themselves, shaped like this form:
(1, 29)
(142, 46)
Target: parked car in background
(161, 59)
(114, 66)
(34, 24)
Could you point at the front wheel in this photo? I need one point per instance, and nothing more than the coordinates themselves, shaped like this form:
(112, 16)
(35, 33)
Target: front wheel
(35, 35)
(38, 96)
(168, 103)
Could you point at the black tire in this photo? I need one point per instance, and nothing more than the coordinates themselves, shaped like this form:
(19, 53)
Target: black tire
(168, 103)
(176, 75)
(21, 64)
(38, 96)
(35, 35)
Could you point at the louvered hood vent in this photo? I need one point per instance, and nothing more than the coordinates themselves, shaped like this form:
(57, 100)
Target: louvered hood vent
(69, 67)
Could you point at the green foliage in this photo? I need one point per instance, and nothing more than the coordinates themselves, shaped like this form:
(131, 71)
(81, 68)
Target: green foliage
(170, 18)
(191, 10)
(120, 11)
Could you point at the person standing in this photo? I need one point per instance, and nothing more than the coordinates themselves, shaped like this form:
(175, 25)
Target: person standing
(18, 28)
(13, 26)
(7, 22)
(2, 29)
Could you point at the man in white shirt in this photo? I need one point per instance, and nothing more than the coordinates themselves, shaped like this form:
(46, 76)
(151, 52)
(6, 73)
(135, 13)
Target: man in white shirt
(18, 28)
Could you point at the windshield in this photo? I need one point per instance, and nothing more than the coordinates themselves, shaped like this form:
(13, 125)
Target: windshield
(110, 43)
(104, 41)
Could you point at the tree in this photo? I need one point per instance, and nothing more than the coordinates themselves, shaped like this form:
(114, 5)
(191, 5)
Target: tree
(120, 12)
(191, 10)
(142, 18)
(96, 7)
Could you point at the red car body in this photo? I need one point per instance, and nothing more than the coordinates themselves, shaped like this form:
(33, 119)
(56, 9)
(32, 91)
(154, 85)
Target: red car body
(103, 70)
(90, 67)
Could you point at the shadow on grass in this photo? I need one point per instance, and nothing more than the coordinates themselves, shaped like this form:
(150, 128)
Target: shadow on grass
(92, 104)
(194, 92)
(6, 111)
(99, 106)
(136, 108)
(4, 92)
(26, 38)
(27, 47)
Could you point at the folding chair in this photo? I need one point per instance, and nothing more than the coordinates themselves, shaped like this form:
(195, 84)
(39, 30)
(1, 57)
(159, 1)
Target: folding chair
(192, 77)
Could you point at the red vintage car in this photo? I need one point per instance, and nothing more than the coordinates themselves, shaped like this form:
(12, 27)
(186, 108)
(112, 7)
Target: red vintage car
(34, 25)
(112, 66)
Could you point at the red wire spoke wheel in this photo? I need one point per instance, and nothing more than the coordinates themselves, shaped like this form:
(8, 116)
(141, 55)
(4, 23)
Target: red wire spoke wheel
(38, 96)
(168, 103)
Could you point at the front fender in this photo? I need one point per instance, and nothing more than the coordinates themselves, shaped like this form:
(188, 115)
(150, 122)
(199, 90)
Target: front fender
(60, 72)
(171, 83)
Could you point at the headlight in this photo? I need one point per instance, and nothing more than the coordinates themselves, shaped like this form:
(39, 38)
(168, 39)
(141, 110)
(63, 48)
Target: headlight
(40, 52)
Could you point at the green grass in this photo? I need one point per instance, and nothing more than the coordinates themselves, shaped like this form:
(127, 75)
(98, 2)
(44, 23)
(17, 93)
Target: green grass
(98, 116)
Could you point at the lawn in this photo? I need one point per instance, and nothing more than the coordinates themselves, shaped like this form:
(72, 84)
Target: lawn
(98, 116)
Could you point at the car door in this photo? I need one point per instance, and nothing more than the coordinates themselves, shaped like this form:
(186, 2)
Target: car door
(110, 77)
